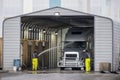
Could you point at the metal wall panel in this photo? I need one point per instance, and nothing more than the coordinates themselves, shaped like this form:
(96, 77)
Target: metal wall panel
(11, 42)
(12, 8)
(1, 17)
(103, 41)
(116, 56)
(40, 4)
(52, 51)
(0, 52)
(76, 4)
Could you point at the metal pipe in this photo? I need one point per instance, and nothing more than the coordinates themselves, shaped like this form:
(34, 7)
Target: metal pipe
(27, 28)
(24, 28)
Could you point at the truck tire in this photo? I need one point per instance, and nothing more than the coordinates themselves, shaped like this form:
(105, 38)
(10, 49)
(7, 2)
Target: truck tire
(62, 68)
(73, 68)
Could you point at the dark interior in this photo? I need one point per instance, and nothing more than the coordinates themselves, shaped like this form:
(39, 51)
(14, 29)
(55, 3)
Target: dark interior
(36, 24)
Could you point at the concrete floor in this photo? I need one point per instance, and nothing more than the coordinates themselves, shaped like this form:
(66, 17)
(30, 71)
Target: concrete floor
(33, 75)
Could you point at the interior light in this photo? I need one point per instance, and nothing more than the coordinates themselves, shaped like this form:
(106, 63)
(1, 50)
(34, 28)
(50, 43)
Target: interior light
(44, 31)
(57, 13)
(30, 29)
(56, 33)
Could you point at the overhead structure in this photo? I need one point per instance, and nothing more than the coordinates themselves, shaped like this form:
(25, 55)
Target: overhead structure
(42, 27)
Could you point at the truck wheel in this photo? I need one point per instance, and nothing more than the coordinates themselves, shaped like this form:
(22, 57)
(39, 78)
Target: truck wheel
(62, 68)
(84, 68)
(73, 69)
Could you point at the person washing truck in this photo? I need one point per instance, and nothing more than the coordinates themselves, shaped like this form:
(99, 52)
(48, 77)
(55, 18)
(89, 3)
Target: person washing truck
(85, 55)
(35, 60)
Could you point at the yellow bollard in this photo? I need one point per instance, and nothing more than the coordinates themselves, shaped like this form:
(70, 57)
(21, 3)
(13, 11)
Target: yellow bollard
(34, 64)
(87, 64)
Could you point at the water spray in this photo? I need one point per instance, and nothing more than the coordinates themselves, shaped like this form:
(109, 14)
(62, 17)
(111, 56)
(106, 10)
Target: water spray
(53, 48)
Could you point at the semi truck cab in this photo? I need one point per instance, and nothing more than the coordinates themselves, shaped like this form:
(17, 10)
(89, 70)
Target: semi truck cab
(70, 60)
(75, 42)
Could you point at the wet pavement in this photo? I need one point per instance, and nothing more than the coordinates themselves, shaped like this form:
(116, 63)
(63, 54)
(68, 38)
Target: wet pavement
(62, 75)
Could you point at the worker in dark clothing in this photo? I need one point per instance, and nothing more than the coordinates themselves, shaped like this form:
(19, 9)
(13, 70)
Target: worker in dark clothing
(35, 61)
(85, 56)
(34, 55)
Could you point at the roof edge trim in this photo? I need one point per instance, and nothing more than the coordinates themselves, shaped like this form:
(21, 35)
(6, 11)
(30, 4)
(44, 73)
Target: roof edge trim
(54, 8)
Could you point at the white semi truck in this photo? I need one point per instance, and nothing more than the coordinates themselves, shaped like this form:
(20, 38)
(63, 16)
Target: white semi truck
(71, 60)
(76, 41)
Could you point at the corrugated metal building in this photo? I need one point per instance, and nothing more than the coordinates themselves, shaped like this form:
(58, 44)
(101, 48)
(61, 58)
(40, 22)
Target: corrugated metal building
(106, 36)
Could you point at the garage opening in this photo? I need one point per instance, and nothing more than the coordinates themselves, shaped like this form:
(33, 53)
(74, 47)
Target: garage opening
(52, 36)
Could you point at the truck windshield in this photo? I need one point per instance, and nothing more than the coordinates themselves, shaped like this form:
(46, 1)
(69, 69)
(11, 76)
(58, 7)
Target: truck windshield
(75, 45)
